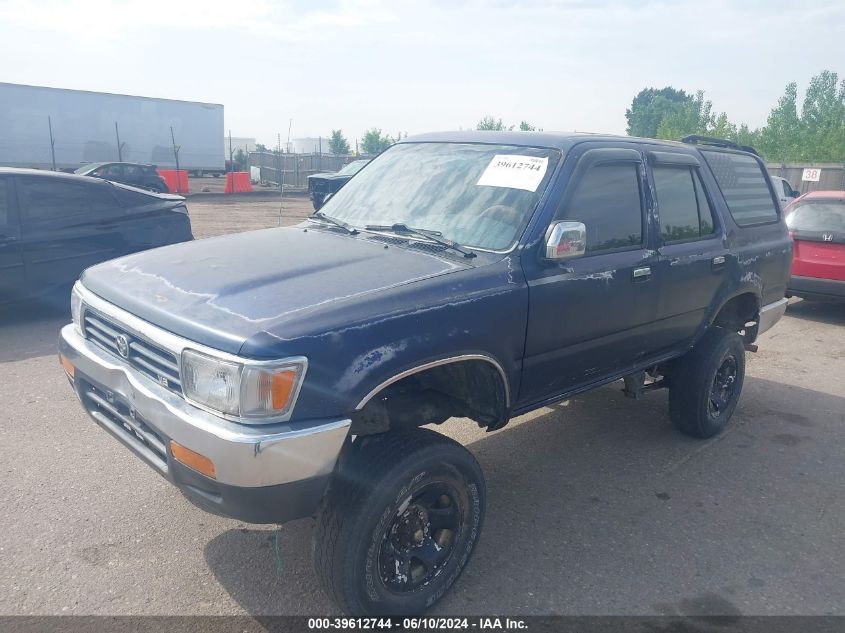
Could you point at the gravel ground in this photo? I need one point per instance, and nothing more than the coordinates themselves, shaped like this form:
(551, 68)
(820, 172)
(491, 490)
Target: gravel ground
(595, 505)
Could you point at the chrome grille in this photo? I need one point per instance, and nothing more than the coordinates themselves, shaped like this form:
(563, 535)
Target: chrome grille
(148, 358)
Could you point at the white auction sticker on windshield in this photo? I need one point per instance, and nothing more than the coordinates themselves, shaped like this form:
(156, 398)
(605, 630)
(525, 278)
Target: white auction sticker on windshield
(515, 172)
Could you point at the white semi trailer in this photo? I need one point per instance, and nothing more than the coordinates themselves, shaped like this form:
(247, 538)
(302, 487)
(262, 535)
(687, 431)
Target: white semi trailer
(84, 127)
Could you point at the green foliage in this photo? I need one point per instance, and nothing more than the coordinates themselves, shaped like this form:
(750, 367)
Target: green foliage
(650, 107)
(374, 142)
(338, 145)
(525, 126)
(490, 123)
(260, 147)
(816, 133)
(241, 160)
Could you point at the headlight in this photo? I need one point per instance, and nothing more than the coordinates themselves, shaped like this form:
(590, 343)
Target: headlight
(76, 308)
(251, 391)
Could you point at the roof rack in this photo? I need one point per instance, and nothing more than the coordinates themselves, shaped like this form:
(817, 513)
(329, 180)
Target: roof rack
(695, 139)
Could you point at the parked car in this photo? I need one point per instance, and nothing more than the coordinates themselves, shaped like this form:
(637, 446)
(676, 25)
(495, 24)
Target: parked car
(54, 225)
(784, 191)
(321, 186)
(816, 223)
(277, 374)
(135, 174)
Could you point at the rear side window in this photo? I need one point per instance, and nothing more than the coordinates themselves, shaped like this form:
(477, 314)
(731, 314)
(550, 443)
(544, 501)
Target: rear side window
(45, 199)
(607, 201)
(684, 211)
(132, 197)
(744, 186)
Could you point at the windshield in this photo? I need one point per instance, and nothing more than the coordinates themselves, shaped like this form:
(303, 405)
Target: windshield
(86, 168)
(352, 168)
(818, 216)
(477, 195)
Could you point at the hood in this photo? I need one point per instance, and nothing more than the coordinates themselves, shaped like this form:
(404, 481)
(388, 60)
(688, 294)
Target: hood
(224, 290)
(332, 175)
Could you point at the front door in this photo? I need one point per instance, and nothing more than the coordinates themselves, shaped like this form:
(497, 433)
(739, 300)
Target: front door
(590, 318)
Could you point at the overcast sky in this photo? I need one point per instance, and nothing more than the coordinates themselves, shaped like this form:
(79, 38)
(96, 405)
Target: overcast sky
(423, 65)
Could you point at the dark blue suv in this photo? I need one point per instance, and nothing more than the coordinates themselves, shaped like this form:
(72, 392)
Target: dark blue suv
(288, 372)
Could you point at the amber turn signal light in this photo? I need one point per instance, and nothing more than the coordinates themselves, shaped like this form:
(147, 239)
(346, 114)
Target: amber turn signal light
(192, 460)
(70, 370)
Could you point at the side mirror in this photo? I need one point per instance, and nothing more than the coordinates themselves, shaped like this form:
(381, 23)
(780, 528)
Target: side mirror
(565, 240)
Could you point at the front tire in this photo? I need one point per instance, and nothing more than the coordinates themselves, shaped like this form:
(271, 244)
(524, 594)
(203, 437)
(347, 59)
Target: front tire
(399, 523)
(706, 384)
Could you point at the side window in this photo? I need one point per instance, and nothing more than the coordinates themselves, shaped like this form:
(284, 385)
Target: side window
(101, 199)
(744, 187)
(4, 202)
(131, 171)
(607, 201)
(45, 199)
(682, 205)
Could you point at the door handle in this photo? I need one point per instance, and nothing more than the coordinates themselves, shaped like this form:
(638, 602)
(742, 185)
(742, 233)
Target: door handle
(642, 274)
(718, 261)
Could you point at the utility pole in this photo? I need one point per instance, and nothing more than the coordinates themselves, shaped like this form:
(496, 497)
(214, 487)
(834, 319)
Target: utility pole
(176, 154)
(119, 149)
(52, 142)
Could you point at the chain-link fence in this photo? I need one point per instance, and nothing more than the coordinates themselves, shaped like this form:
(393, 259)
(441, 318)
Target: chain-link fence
(294, 169)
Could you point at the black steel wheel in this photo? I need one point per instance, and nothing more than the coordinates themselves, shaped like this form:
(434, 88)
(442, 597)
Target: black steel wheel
(706, 384)
(399, 523)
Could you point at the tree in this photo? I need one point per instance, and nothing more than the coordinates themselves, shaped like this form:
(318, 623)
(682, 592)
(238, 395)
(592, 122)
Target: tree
(823, 119)
(691, 117)
(780, 139)
(241, 160)
(260, 147)
(338, 144)
(490, 123)
(374, 142)
(525, 126)
(651, 106)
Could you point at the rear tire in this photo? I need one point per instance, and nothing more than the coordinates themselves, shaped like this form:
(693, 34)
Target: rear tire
(706, 384)
(399, 523)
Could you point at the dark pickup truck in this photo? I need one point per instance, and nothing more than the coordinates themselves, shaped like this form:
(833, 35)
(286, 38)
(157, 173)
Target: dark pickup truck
(322, 186)
(284, 373)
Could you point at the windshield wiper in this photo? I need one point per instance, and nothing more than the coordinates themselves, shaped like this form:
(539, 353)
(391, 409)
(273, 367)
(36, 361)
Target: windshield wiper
(434, 236)
(327, 218)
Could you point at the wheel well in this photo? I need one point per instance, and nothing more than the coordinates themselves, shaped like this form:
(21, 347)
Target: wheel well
(472, 389)
(740, 314)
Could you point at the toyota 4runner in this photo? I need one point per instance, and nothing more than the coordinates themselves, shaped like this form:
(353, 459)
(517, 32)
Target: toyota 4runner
(285, 373)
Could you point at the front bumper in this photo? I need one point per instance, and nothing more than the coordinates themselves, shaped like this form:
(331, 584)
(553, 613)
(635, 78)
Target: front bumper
(816, 288)
(263, 474)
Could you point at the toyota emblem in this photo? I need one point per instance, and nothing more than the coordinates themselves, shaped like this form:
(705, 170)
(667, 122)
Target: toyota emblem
(122, 345)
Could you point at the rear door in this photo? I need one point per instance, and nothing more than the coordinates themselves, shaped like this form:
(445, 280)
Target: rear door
(62, 231)
(818, 234)
(692, 251)
(12, 278)
(591, 317)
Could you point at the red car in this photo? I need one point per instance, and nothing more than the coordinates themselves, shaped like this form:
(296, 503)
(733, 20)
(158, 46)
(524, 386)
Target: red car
(816, 223)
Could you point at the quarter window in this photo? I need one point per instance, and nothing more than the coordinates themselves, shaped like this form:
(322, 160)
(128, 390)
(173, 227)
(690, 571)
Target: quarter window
(607, 201)
(744, 187)
(685, 213)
